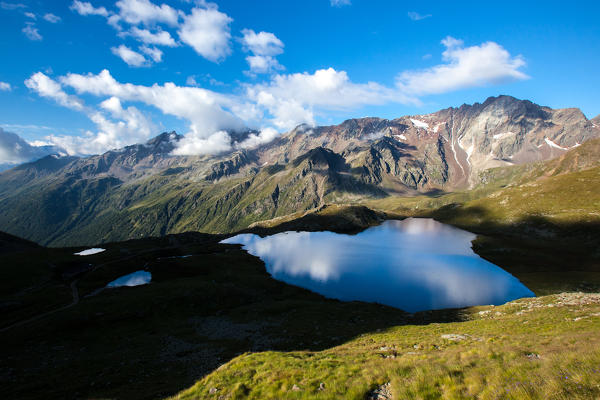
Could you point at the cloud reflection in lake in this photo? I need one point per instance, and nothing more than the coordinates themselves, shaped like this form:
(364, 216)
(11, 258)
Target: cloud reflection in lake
(414, 264)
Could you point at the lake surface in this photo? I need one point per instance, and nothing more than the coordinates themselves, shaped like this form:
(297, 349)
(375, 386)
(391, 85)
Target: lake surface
(90, 252)
(415, 264)
(134, 279)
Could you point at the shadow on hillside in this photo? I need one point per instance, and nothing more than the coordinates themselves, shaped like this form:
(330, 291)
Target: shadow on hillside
(547, 256)
(208, 303)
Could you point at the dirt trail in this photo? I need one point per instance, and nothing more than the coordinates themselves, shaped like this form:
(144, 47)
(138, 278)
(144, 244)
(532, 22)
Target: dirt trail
(75, 301)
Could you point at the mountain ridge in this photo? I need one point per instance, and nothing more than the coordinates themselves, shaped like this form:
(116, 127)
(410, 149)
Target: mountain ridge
(143, 190)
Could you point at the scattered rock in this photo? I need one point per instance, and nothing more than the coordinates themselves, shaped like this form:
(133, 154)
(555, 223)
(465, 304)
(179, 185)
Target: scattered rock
(295, 388)
(382, 392)
(213, 391)
(321, 387)
(533, 356)
(454, 337)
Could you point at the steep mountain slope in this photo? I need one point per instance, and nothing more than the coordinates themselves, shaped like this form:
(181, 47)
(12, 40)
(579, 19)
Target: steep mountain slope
(459, 141)
(144, 190)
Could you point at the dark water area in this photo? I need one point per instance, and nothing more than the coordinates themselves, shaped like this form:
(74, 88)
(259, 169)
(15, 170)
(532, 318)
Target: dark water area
(134, 279)
(415, 264)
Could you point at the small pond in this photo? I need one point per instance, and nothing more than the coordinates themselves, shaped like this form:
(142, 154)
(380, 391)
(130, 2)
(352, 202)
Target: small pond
(89, 252)
(415, 264)
(134, 279)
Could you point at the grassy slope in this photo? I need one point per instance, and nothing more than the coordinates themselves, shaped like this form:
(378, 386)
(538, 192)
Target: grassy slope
(544, 348)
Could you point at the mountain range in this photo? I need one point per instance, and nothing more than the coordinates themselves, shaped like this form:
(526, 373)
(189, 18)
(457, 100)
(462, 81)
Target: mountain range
(144, 190)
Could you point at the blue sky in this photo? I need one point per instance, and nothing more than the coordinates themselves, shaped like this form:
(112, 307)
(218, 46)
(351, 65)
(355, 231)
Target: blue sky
(202, 67)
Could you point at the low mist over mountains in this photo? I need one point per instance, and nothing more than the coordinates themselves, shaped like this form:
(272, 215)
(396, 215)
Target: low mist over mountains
(144, 189)
(14, 150)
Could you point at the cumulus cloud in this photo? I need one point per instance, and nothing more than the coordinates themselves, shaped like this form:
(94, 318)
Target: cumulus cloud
(262, 43)
(415, 16)
(264, 46)
(5, 87)
(131, 57)
(49, 88)
(53, 19)
(86, 8)
(206, 110)
(14, 150)
(205, 28)
(207, 31)
(196, 144)
(465, 67)
(282, 102)
(117, 126)
(340, 3)
(254, 140)
(31, 32)
(123, 127)
(30, 15)
(291, 99)
(160, 37)
(147, 13)
(263, 64)
(152, 52)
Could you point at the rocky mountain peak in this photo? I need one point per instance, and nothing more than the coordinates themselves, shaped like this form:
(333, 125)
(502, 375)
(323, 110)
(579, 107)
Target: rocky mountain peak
(163, 138)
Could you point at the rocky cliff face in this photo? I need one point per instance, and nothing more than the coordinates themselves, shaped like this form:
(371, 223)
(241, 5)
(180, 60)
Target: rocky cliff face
(448, 149)
(144, 190)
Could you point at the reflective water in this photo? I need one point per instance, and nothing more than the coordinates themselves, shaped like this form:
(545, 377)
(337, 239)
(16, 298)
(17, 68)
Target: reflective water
(89, 252)
(415, 264)
(134, 279)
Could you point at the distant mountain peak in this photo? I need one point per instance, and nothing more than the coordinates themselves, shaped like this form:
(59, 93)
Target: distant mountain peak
(165, 137)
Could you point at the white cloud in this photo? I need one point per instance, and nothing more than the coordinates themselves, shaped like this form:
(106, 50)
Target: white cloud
(30, 15)
(144, 12)
(124, 126)
(340, 3)
(131, 57)
(206, 110)
(415, 16)
(5, 87)
(262, 43)
(264, 46)
(291, 99)
(152, 52)
(160, 37)
(47, 87)
(207, 31)
(11, 6)
(31, 32)
(53, 19)
(254, 140)
(282, 102)
(86, 8)
(488, 63)
(195, 144)
(263, 64)
(14, 150)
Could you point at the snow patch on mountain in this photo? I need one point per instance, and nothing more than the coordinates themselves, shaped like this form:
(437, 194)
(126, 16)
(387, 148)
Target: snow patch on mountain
(419, 124)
